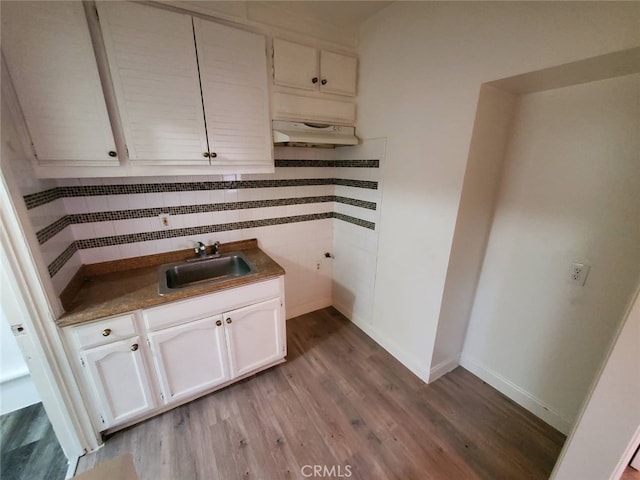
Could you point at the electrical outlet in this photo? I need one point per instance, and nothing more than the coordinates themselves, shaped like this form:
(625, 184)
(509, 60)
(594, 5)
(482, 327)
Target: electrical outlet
(578, 273)
(164, 220)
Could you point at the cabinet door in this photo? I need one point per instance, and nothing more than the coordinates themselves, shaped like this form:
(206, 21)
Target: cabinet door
(120, 384)
(190, 358)
(338, 73)
(152, 59)
(233, 75)
(295, 65)
(255, 336)
(50, 59)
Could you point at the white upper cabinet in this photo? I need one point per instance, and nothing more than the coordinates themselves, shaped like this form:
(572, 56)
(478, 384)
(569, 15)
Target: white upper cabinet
(233, 75)
(338, 73)
(301, 66)
(189, 91)
(50, 58)
(295, 65)
(152, 59)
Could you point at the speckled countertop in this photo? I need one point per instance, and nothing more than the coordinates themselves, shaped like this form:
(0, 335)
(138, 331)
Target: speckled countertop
(122, 291)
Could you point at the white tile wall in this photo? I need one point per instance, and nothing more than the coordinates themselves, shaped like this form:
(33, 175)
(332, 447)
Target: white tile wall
(355, 248)
(66, 273)
(55, 246)
(46, 214)
(312, 281)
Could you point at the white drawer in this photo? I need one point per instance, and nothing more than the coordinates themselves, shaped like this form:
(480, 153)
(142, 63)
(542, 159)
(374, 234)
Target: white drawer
(103, 331)
(202, 306)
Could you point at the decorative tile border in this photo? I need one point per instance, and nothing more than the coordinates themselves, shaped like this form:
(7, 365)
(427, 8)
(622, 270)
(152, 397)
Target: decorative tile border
(221, 227)
(55, 266)
(60, 261)
(354, 220)
(52, 230)
(34, 200)
(37, 199)
(212, 207)
(356, 183)
(356, 203)
(329, 163)
(189, 209)
(41, 198)
(200, 230)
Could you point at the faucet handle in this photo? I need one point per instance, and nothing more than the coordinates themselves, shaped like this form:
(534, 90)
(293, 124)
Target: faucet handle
(215, 247)
(201, 248)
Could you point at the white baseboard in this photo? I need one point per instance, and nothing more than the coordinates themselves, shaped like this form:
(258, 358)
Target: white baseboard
(389, 345)
(72, 466)
(301, 309)
(517, 394)
(443, 368)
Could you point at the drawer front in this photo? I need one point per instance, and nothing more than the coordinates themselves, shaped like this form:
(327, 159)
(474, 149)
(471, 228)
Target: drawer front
(103, 331)
(194, 308)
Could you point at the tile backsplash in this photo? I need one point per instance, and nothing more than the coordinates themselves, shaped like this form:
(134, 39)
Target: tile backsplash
(95, 220)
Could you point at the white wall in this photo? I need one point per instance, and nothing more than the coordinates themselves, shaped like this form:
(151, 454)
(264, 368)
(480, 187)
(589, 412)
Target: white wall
(569, 194)
(421, 67)
(479, 195)
(611, 416)
(17, 389)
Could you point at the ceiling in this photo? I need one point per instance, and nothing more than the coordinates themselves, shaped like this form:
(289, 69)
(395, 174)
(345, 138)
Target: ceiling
(333, 21)
(343, 14)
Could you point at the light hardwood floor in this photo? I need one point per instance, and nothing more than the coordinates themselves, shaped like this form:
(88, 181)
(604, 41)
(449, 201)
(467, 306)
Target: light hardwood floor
(341, 401)
(30, 450)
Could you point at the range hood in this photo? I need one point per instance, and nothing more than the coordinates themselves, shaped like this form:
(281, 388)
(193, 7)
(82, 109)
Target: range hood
(304, 134)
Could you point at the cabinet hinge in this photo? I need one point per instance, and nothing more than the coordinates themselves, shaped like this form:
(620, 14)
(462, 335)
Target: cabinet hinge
(101, 419)
(82, 361)
(162, 395)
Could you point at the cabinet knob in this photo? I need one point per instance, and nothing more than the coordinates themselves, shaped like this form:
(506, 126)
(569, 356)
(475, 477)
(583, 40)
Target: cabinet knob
(106, 332)
(324, 81)
(218, 322)
(314, 80)
(213, 154)
(112, 153)
(205, 154)
(229, 320)
(134, 347)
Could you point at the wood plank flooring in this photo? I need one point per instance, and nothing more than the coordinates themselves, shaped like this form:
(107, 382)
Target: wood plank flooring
(344, 404)
(30, 450)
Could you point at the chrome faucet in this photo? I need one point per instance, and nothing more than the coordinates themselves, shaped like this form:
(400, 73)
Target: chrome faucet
(201, 250)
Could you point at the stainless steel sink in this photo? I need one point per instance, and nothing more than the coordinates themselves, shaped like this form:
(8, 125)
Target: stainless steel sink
(191, 273)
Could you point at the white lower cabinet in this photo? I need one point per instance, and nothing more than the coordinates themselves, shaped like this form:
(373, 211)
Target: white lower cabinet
(190, 358)
(118, 381)
(144, 362)
(255, 336)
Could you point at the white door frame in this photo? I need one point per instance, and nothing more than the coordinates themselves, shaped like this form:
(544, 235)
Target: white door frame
(41, 343)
